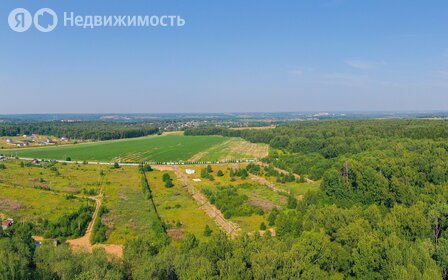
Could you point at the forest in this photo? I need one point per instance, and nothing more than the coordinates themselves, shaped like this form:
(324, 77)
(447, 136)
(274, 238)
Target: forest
(381, 213)
(80, 130)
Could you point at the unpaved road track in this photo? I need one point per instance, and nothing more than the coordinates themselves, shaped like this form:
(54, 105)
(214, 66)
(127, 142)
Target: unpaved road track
(84, 241)
(231, 228)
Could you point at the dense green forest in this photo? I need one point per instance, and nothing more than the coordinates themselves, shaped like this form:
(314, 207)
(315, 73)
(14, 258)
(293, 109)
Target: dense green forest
(79, 130)
(381, 213)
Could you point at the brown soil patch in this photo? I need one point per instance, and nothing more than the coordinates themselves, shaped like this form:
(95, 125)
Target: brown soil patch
(163, 167)
(264, 204)
(10, 205)
(71, 190)
(176, 234)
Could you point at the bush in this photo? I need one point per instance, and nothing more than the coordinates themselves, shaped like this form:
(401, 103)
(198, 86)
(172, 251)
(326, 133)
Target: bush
(207, 231)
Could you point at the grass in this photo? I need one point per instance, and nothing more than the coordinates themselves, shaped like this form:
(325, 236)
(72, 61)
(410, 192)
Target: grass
(41, 193)
(61, 178)
(164, 148)
(32, 205)
(245, 186)
(234, 148)
(177, 208)
(155, 148)
(129, 215)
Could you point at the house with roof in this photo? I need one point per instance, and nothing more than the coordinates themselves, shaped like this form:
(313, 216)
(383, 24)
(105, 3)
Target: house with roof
(190, 171)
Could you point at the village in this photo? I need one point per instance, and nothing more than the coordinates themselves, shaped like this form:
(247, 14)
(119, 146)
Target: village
(22, 141)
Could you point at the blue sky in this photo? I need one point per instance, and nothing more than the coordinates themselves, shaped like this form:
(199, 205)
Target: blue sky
(231, 56)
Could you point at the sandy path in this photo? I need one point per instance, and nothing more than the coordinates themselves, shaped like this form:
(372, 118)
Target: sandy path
(231, 228)
(83, 243)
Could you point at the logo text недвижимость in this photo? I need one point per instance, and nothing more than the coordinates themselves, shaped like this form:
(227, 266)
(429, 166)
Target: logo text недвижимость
(46, 20)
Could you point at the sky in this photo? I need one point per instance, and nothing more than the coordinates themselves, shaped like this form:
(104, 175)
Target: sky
(230, 56)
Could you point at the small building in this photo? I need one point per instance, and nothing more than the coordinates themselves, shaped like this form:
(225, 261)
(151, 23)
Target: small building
(2, 158)
(8, 223)
(9, 141)
(190, 171)
(65, 139)
(35, 161)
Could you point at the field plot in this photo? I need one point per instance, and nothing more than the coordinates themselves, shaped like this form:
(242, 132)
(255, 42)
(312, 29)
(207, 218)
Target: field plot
(177, 208)
(129, 211)
(71, 179)
(163, 148)
(33, 205)
(256, 200)
(35, 193)
(231, 149)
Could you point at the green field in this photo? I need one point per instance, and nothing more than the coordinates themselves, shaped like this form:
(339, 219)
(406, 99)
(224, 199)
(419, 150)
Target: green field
(155, 148)
(178, 210)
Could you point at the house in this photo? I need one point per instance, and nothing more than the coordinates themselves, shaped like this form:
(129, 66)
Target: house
(35, 161)
(6, 224)
(9, 141)
(190, 171)
(65, 139)
(2, 158)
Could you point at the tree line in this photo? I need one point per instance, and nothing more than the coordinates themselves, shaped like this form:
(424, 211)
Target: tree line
(80, 130)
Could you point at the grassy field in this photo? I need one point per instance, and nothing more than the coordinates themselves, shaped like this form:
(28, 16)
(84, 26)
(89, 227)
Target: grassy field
(177, 208)
(259, 195)
(32, 205)
(155, 148)
(28, 193)
(66, 178)
(33, 193)
(233, 148)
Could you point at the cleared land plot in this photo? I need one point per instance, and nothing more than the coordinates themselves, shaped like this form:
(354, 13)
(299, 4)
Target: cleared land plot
(32, 205)
(234, 148)
(258, 195)
(34, 192)
(129, 215)
(67, 178)
(177, 208)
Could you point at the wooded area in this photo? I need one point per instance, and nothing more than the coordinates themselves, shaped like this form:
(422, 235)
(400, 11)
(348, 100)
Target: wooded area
(381, 213)
(79, 130)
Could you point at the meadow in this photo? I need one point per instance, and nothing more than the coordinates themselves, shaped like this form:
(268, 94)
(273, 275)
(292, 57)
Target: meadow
(164, 148)
(129, 211)
(36, 192)
(180, 213)
(259, 195)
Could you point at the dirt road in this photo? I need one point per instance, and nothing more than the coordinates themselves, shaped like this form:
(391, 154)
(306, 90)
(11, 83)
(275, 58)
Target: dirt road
(231, 228)
(83, 243)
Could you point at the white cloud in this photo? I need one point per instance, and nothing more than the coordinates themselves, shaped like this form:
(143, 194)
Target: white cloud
(363, 64)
